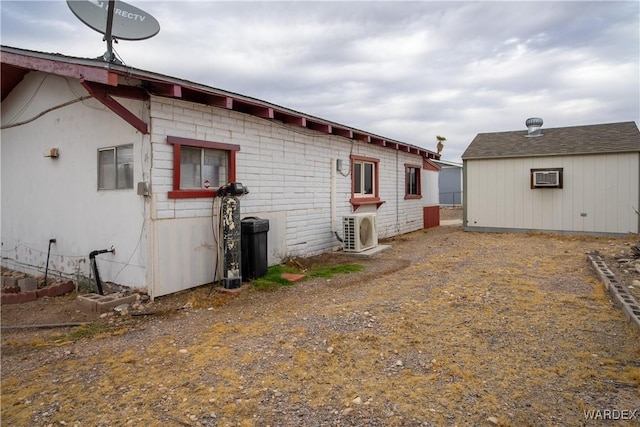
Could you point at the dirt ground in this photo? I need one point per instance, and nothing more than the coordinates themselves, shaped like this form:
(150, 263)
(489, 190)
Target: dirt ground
(445, 328)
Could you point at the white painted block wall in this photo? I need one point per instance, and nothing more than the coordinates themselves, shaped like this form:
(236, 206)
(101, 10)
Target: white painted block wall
(288, 171)
(45, 198)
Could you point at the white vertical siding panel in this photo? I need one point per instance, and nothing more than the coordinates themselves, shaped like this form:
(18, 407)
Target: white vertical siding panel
(577, 175)
(604, 187)
(609, 177)
(569, 204)
(599, 184)
(628, 193)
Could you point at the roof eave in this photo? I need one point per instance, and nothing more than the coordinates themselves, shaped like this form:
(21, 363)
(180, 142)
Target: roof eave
(107, 74)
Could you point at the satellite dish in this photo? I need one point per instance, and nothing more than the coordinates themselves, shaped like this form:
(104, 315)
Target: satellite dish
(129, 22)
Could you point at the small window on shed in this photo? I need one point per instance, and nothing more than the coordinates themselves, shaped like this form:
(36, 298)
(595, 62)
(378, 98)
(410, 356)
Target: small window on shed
(546, 178)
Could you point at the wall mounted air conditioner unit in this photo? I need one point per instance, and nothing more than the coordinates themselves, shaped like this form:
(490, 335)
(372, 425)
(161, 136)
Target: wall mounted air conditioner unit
(360, 232)
(546, 178)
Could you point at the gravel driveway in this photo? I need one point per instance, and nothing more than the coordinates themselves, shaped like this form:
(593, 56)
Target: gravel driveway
(446, 328)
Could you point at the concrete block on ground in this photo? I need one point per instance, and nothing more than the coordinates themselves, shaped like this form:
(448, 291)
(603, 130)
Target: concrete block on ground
(57, 289)
(96, 303)
(18, 298)
(28, 284)
(10, 282)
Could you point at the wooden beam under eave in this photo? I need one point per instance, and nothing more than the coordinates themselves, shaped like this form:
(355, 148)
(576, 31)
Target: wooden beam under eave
(168, 90)
(264, 112)
(361, 137)
(99, 92)
(253, 109)
(130, 92)
(320, 127)
(377, 141)
(347, 133)
(112, 79)
(290, 119)
(222, 102)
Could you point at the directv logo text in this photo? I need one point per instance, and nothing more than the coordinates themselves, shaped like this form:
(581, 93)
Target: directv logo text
(123, 13)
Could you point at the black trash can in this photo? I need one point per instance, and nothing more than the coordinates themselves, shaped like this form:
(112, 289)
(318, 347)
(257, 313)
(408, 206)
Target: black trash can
(254, 247)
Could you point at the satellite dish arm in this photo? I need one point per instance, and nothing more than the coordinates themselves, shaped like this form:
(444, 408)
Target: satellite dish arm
(109, 55)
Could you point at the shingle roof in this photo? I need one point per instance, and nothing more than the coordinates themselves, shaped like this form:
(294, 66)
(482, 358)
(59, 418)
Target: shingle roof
(592, 139)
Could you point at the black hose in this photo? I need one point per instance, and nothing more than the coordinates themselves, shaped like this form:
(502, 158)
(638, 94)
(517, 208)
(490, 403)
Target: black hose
(94, 266)
(46, 270)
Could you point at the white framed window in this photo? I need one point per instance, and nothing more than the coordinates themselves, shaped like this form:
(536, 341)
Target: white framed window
(364, 178)
(202, 168)
(115, 167)
(365, 173)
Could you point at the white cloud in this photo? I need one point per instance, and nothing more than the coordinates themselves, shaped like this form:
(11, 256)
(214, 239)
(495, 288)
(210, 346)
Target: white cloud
(404, 70)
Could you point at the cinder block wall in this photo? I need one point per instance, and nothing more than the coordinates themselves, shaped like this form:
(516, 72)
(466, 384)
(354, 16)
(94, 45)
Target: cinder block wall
(290, 172)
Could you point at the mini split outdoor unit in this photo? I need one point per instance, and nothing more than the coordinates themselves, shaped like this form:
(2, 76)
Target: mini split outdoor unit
(360, 232)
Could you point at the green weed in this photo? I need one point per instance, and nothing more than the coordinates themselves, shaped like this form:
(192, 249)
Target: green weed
(274, 279)
(329, 271)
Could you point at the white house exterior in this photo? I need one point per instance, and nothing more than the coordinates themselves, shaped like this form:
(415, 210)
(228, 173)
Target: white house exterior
(575, 180)
(118, 130)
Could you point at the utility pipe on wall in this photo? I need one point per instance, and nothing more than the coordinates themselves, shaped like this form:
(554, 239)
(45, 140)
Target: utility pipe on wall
(332, 197)
(46, 270)
(94, 265)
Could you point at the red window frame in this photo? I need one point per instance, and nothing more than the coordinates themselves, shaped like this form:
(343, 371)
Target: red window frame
(418, 169)
(178, 143)
(357, 201)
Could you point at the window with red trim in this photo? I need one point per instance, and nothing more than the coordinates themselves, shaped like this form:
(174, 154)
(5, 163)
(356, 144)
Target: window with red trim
(201, 167)
(413, 182)
(365, 181)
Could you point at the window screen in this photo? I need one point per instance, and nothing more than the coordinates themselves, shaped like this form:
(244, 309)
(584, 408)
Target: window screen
(115, 167)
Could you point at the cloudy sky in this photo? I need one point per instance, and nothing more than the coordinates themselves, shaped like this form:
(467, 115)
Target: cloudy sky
(403, 70)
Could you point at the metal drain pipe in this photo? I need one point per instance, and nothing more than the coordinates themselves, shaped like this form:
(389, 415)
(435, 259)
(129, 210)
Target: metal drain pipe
(46, 270)
(94, 265)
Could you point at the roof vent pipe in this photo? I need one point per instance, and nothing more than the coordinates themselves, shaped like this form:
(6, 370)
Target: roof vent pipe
(534, 126)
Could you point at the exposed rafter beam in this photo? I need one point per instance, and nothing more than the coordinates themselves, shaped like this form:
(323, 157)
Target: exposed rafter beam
(101, 93)
(362, 137)
(130, 92)
(165, 89)
(320, 127)
(347, 133)
(253, 109)
(377, 141)
(222, 102)
(290, 119)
